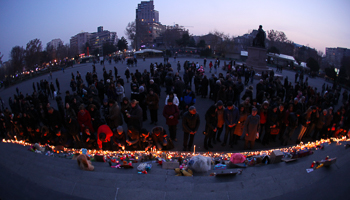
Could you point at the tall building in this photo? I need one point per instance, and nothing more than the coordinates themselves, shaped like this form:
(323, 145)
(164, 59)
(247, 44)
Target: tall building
(148, 27)
(145, 12)
(55, 43)
(97, 39)
(78, 42)
(334, 56)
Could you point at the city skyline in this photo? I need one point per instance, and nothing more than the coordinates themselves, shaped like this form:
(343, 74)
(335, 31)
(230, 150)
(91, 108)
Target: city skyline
(318, 24)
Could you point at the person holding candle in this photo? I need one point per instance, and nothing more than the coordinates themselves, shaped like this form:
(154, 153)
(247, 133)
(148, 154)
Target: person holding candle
(88, 138)
(119, 139)
(190, 125)
(132, 139)
(146, 140)
(159, 138)
(104, 135)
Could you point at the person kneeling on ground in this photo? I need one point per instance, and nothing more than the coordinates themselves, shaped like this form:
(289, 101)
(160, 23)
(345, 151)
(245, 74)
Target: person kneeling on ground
(132, 140)
(60, 138)
(159, 138)
(146, 141)
(119, 139)
(104, 134)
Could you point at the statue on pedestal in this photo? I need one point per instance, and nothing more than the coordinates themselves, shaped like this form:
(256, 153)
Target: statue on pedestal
(259, 40)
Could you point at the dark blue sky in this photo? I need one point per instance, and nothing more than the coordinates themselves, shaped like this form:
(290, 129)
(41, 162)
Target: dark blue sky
(316, 23)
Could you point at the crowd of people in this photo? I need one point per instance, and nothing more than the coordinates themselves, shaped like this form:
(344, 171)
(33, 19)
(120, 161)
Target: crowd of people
(93, 112)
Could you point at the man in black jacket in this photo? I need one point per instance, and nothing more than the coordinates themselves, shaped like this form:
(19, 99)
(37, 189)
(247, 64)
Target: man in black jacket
(291, 126)
(54, 119)
(210, 126)
(73, 129)
(135, 115)
(190, 125)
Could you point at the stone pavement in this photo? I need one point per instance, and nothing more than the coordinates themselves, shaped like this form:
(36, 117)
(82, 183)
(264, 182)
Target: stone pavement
(27, 175)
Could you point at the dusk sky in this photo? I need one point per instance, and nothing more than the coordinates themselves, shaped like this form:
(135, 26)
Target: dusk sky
(316, 23)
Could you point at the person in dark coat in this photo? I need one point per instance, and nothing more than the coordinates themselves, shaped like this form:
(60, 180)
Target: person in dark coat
(159, 138)
(88, 138)
(146, 140)
(132, 139)
(115, 116)
(142, 102)
(135, 115)
(73, 129)
(231, 117)
(272, 123)
(210, 126)
(127, 74)
(293, 118)
(190, 125)
(204, 83)
(152, 101)
(60, 137)
(119, 139)
(171, 113)
(54, 119)
(251, 128)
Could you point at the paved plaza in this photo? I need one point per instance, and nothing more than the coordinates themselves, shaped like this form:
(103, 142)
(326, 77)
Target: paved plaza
(26, 175)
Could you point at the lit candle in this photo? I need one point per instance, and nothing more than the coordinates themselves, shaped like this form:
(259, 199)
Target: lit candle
(194, 149)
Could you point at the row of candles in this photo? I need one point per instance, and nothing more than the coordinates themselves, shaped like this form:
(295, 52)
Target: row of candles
(170, 154)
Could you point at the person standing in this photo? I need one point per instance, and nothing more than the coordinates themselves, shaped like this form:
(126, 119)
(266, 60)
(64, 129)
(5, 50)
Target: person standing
(190, 125)
(210, 126)
(152, 101)
(251, 128)
(120, 92)
(291, 126)
(178, 66)
(243, 114)
(115, 116)
(231, 117)
(135, 115)
(221, 121)
(210, 66)
(58, 86)
(171, 113)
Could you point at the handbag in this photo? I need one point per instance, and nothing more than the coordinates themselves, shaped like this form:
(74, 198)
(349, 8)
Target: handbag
(275, 131)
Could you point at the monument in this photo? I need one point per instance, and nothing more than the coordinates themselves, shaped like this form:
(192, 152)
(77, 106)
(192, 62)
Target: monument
(257, 52)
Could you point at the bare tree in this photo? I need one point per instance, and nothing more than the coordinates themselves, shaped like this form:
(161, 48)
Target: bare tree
(33, 51)
(17, 59)
(130, 32)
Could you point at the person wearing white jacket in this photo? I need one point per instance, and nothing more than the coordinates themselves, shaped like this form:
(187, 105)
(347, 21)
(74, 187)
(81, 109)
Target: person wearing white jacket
(175, 99)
